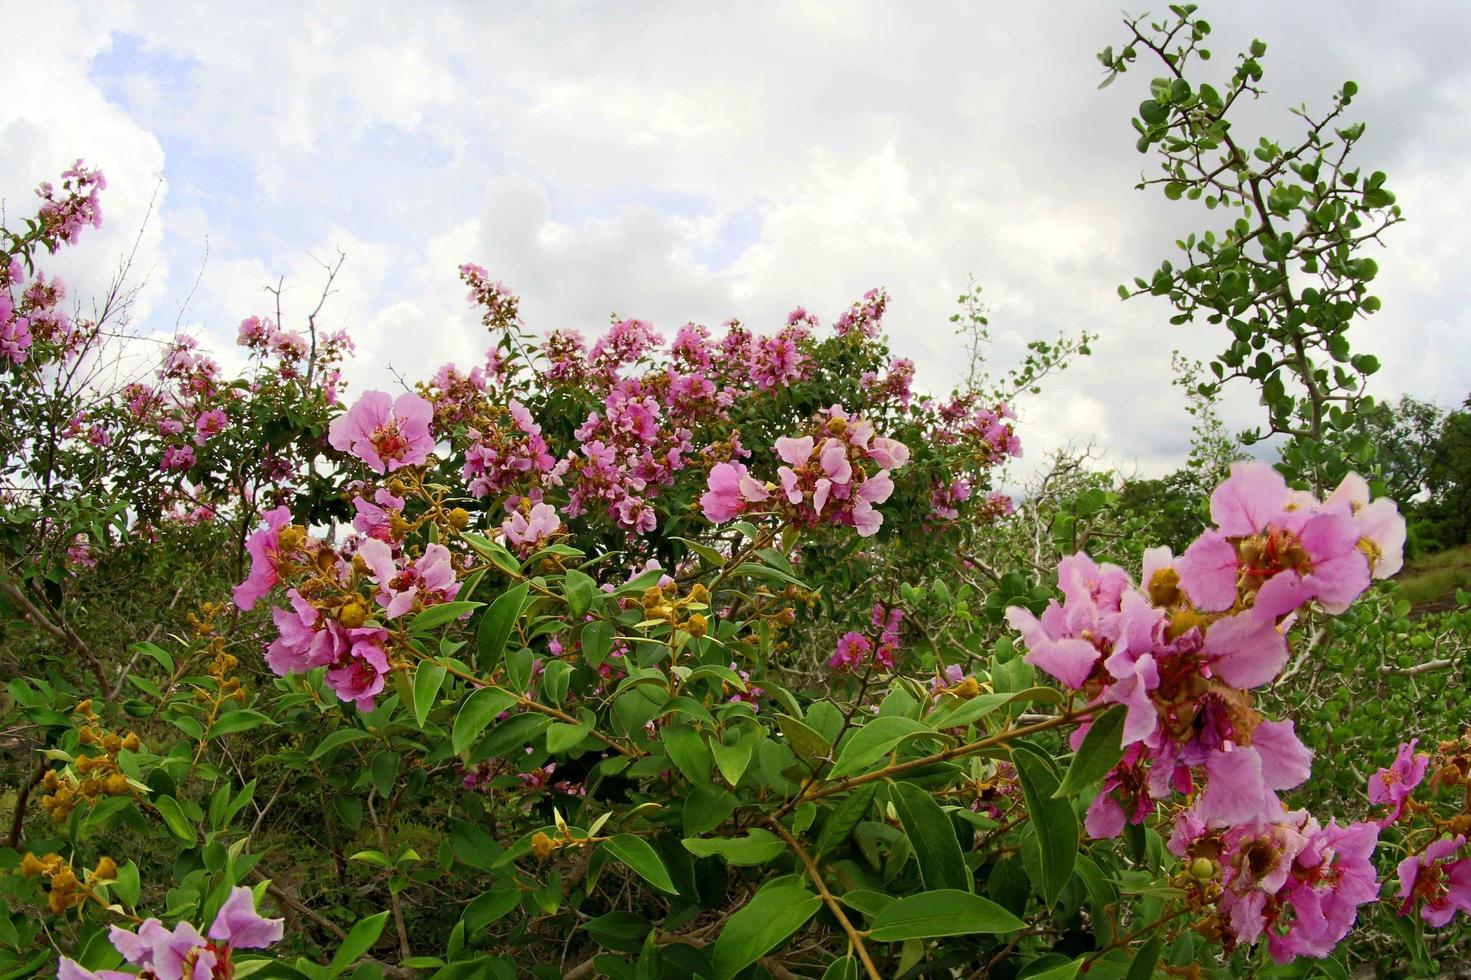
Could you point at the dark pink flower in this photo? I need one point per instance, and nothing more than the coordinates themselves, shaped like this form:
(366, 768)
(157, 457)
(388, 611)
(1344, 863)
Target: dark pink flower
(1394, 785)
(1443, 886)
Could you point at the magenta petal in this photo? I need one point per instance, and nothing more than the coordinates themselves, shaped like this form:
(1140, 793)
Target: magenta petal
(1281, 594)
(1069, 660)
(1248, 500)
(1105, 817)
(1245, 651)
(1234, 791)
(238, 923)
(1286, 762)
(1208, 572)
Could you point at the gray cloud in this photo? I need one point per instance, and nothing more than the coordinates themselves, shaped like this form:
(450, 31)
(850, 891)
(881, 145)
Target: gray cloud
(594, 159)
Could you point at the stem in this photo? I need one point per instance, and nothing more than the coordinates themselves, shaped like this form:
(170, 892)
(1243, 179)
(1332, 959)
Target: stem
(855, 938)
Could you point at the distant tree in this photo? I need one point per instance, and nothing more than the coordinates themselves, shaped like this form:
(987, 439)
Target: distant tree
(1448, 478)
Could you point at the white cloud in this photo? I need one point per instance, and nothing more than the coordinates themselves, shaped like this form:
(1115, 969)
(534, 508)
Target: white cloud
(679, 162)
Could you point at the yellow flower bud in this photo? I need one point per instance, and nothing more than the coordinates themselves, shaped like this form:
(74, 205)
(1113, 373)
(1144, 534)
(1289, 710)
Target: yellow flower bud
(459, 517)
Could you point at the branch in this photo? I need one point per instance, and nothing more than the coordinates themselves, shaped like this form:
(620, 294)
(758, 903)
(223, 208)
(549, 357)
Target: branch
(854, 937)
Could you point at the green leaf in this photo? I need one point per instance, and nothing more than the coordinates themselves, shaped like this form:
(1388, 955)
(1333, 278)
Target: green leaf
(732, 760)
(947, 912)
(554, 679)
(1142, 968)
(706, 808)
(639, 855)
(174, 818)
(597, 642)
(932, 835)
(757, 847)
(1101, 750)
(1065, 971)
(514, 732)
(496, 626)
(804, 740)
(562, 737)
(337, 739)
(359, 940)
(1052, 820)
(765, 922)
(687, 748)
(243, 720)
(427, 681)
(842, 968)
(438, 615)
(846, 816)
(580, 590)
(478, 711)
(872, 742)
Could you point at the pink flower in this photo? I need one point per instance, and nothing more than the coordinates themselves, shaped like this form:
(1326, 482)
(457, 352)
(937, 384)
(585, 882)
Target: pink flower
(384, 433)
(852, 650)
(241, 926)
(375, 519)
(359, 677)
(1395, 784)
(264, 547)
(208, 425)
(1444, 886)
(1275, 550)
(430, 579)
(730, 489)
(177, 458)
(167, 954)
(527, 531)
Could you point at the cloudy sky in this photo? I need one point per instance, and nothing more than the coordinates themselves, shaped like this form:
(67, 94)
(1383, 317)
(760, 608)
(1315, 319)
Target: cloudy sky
(694, 161)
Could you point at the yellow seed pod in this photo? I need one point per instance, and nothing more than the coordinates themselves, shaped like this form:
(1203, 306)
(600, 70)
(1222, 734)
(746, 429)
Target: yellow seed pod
(353, 615)
(116, 784)
(111, 743)
(696, 625)
(542, 846)
(106, 869)
(700, 594)
(653, 596)
(131, 742)
(1164, 587)
(32, 866)
(459, 517)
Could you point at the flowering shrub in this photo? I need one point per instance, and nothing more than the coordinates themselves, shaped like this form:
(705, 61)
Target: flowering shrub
(637, 655)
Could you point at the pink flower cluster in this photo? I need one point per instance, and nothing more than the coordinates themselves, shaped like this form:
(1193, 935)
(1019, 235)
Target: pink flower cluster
(499, 305)
(824, 477)
(1181, 654)
(181, 953)
(1290, 880)
(988, 430)
(854, 650)
(78, 205)
(865, 317)
(355, 658)
(627, 452)
(500, 456)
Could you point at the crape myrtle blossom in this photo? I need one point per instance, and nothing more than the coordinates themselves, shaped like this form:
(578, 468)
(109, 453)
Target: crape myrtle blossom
(425, 581)
(1274, 549)
(1441, 887)
(266, 552)
(528, 529)
(385, 433)
(1183, 669)
(1289, 880)
(1394, 784)
(181, 953)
